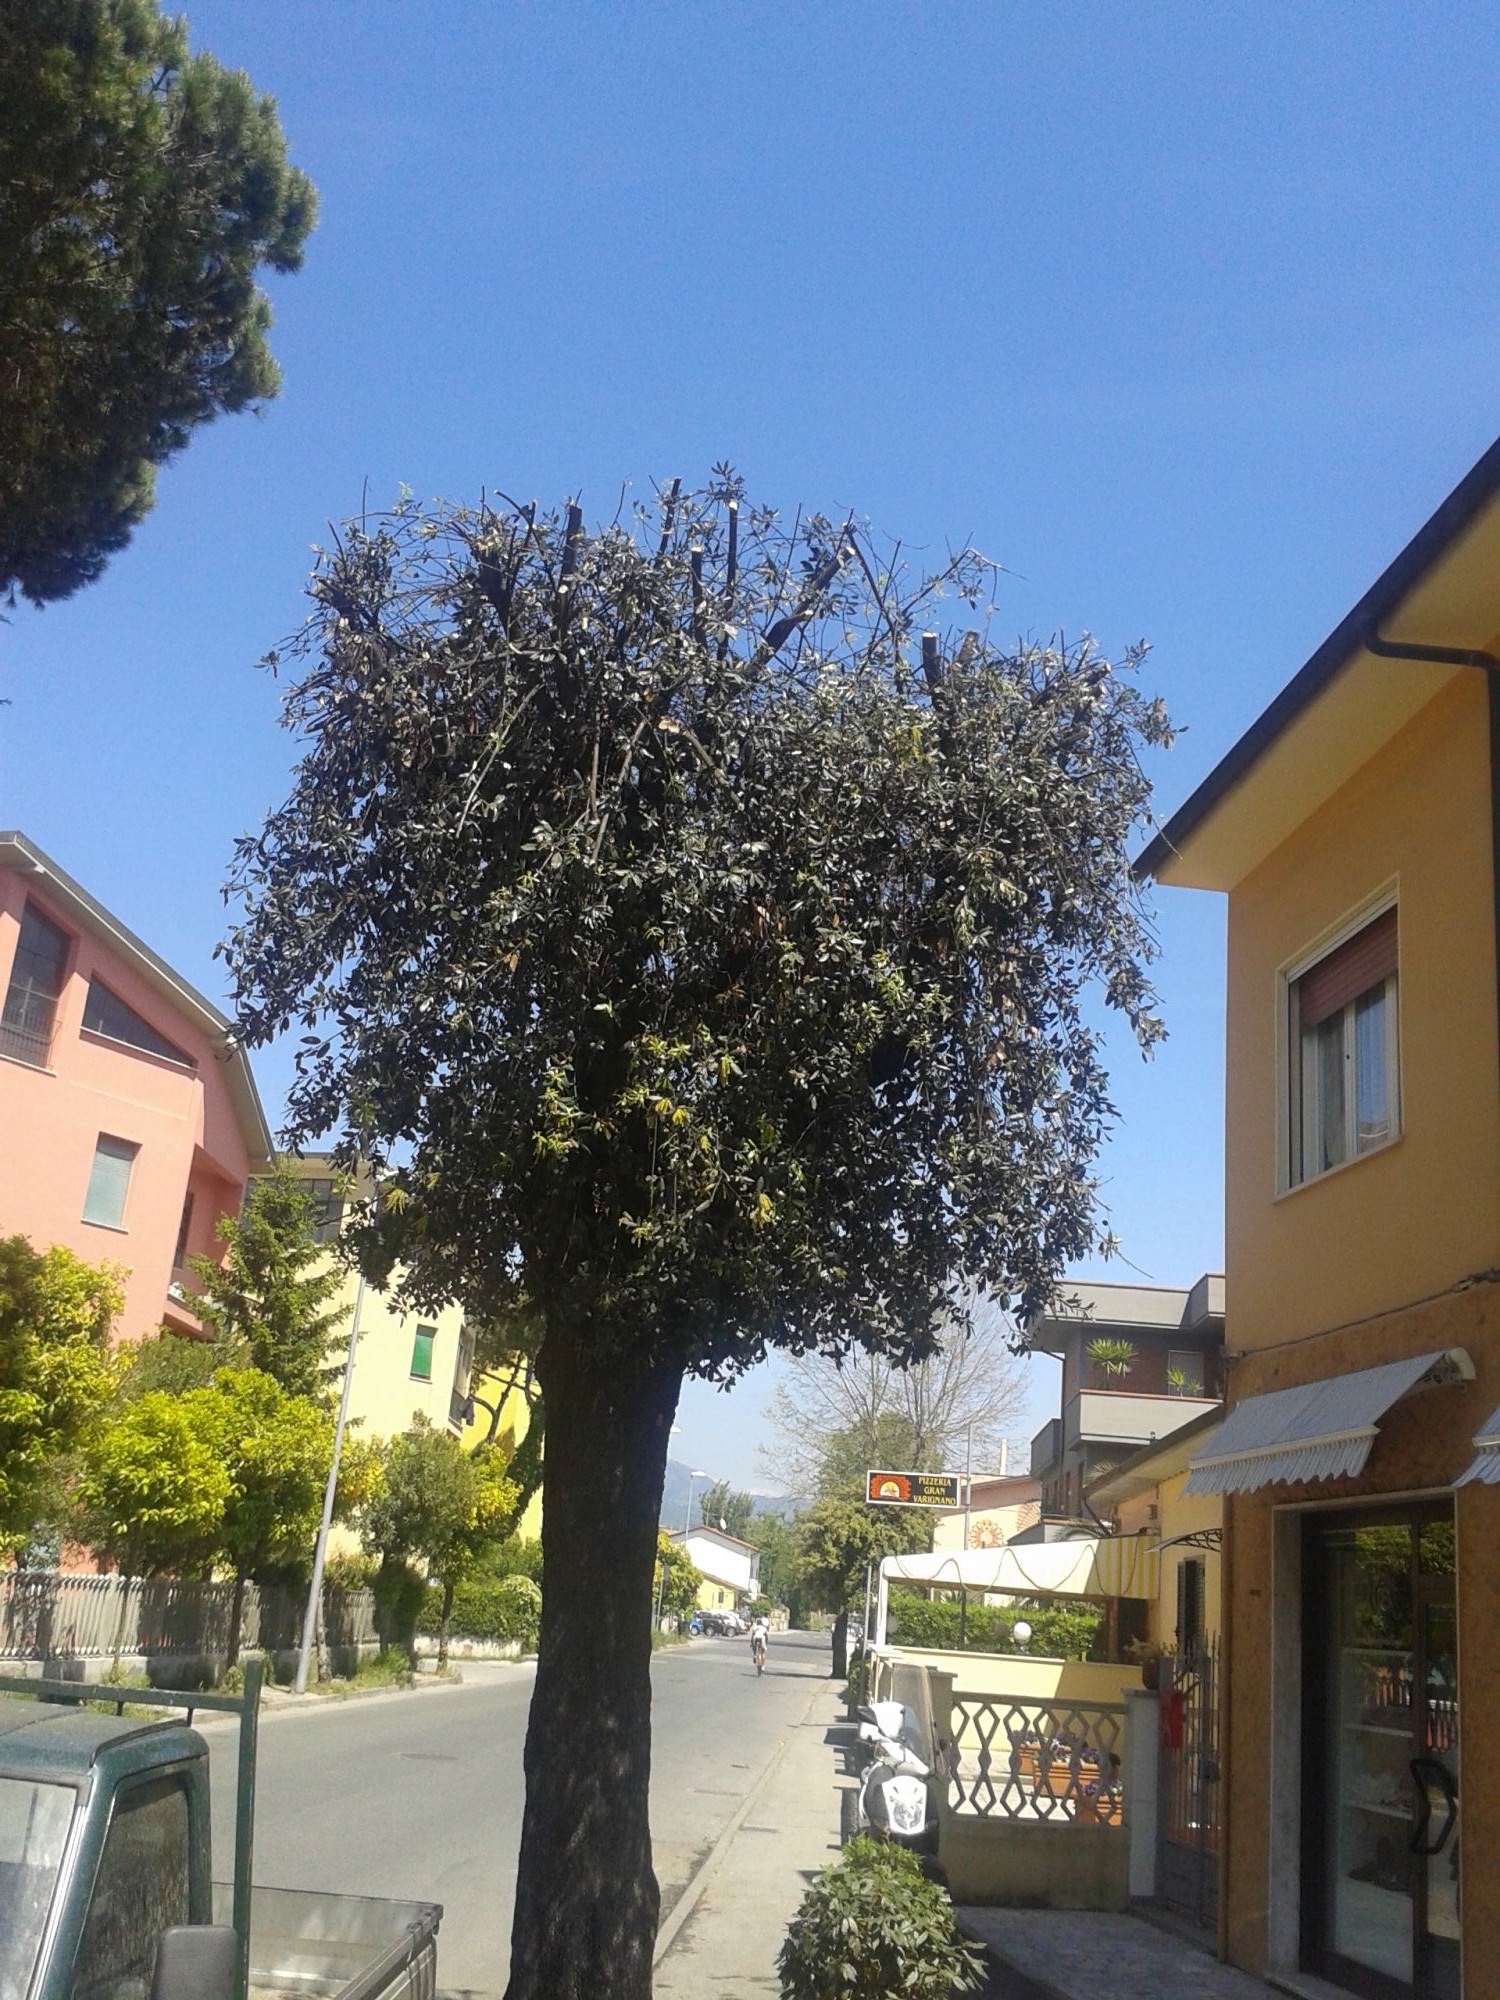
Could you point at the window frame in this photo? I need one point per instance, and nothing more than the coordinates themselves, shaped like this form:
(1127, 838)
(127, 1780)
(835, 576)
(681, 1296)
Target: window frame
(31, 907)
(1291, 1060)
(169, 1052)
(429, 1334)
(121, 1227)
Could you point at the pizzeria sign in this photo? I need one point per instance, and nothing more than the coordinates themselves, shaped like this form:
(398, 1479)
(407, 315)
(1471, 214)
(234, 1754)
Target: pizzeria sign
(913, 1489)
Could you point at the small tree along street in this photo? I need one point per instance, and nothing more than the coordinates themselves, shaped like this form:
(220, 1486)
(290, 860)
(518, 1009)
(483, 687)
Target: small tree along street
(698, 949)
(270, 1300)
(141, 190)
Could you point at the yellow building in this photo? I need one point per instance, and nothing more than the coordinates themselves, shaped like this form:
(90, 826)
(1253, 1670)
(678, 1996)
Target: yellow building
(414, 1364)
(1354, 830)
(1146, 1496)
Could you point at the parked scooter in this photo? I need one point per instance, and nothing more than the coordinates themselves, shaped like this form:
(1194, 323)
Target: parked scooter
(896, 1797)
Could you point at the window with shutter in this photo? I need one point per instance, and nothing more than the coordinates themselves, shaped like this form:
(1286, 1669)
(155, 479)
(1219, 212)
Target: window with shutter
(1343, 1080)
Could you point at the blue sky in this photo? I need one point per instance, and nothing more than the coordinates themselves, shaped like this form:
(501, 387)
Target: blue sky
(1187, 315)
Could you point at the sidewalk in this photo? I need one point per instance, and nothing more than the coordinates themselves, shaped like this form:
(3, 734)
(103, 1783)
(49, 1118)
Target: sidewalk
(721, 1941)
(1077, 1954)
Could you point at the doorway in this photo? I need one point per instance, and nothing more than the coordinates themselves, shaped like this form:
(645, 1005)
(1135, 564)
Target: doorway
(1380, 1812)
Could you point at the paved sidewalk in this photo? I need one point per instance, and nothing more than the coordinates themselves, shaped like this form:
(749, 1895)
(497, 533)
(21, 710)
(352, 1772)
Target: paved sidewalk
(1079, 1954)
(721, 1941)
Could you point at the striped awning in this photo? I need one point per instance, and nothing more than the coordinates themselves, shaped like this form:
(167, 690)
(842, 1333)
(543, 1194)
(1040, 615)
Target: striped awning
(1320, 1430)
(1485, 1466)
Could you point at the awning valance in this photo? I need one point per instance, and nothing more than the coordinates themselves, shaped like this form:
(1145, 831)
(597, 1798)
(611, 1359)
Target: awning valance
(1321, 1430)
(1485, 1465)
(1106, 1566)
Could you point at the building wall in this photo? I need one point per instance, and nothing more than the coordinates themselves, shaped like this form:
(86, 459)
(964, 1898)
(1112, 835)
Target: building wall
(721, 1560)
(1178, 1512)
(1424, 1211)
(182, 1120)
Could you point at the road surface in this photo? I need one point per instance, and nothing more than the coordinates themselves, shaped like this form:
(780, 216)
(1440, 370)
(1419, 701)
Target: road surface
(420, 1794)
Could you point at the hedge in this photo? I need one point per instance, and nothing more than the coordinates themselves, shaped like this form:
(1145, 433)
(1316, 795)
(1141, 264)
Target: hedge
(1058, 1632)
(491, 1608)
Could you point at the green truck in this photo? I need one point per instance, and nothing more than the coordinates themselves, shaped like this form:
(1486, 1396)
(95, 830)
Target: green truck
(106, 1883)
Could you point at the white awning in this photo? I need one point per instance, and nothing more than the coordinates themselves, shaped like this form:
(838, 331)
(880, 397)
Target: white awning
(1103, 1566)
(1485, 1467)
(1322, 1430)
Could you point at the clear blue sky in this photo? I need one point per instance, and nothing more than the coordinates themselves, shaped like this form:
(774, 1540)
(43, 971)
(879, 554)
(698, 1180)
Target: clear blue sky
(1185, 314)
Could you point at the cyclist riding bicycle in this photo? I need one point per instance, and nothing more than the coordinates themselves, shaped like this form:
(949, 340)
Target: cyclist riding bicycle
(760, 1632)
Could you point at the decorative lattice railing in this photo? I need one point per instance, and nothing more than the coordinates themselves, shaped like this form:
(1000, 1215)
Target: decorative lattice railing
(1038, 1760)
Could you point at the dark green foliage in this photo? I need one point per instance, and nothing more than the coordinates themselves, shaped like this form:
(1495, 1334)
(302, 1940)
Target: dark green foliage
(777, 1541)
(487, 1607)
(512, 1557)
(769, 1019)
(676, 1581)
(719, 1506)
(400, 1590)
(1058, 1632)
(174, 1363)
(141, 190)
(272, 1295)
(873, 1927)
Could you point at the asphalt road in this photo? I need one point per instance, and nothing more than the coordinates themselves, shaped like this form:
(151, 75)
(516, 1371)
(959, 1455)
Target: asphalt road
(420, 1794)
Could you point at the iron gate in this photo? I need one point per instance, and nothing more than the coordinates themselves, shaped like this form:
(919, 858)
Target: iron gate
(1187, 1861)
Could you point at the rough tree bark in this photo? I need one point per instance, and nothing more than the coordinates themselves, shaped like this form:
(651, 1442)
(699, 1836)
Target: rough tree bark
(587, 1900)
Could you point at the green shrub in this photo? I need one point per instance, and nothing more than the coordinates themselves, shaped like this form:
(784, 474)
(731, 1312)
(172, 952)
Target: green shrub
(509, 1607)
(1058, 1632)
(874, 1928)
(512, 1557)
(349, 1570)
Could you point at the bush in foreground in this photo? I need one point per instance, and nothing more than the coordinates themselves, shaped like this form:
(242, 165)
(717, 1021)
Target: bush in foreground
(874, 1928)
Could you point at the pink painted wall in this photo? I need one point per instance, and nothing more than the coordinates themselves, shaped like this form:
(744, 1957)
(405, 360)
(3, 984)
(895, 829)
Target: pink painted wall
(182, 1120)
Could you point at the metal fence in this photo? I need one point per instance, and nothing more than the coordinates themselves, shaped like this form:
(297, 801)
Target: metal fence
(53, 1614)
(1042, 1761)
(1189, 1788)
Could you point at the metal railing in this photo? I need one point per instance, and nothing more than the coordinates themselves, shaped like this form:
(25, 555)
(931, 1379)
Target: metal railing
(1038, 1761)
(52, 1614)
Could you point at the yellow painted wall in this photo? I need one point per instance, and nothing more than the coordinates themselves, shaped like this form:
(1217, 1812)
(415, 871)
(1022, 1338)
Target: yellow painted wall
(1024, 1675)
(989, 1527)
(1399, 1224)
(1178, 1513)
(715, 1596)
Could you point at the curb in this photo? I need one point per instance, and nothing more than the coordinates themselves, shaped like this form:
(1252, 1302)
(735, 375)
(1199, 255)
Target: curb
(713, 1861)
(283, 1702)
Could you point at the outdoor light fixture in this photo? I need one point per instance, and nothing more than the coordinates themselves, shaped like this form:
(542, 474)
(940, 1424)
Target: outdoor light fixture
(1021, 1633)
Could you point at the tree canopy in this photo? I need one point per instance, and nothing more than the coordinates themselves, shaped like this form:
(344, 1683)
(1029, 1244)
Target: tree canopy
(719, 1506)
(700, 951)
(142, 188)
(270, 1299)
(55, 1317)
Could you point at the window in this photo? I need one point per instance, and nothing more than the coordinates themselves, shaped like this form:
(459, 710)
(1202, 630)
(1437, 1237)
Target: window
(1343, 1043)
(1189, 1604)
(105, 1013)
(141, 1888)
(184, 1230)
(421, 1353)
(1184, 1371)
(36, 984)
(109, 1182)
(327, 1209)
(460, 1409)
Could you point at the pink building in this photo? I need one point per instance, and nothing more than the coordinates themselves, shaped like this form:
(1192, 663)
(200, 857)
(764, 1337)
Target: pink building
(129, 1120)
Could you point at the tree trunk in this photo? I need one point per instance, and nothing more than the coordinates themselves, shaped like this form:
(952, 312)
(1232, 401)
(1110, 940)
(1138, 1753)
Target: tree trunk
(840, 1647)
(587, 1901)
(442, 1659)
(236, 1619)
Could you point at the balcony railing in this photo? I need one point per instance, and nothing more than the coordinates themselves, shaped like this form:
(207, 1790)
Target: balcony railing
(26, 1044)
(1037, 1760)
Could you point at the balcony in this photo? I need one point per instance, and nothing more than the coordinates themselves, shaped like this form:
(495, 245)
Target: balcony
(1046, 1447)
(1125, 1417)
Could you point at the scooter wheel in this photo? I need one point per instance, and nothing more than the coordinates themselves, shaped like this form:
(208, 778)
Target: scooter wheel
(848, 1816)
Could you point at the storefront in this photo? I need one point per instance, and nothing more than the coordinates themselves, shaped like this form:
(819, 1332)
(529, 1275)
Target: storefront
(1362, 1837)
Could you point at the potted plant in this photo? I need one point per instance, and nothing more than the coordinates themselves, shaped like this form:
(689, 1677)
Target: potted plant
(1112, 1357)
(1149, 1654)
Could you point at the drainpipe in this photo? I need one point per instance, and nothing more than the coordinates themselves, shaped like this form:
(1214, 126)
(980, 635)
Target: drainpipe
(1489, 665)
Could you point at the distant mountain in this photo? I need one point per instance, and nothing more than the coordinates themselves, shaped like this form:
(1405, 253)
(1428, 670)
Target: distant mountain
(674, 1498)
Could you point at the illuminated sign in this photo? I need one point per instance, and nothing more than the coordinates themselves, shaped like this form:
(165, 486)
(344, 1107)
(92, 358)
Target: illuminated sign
(913, 1489)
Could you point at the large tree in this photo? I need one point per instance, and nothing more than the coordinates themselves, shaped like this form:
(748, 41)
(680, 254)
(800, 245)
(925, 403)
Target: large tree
(141, 190)
(838, 1542)
(700, 949)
